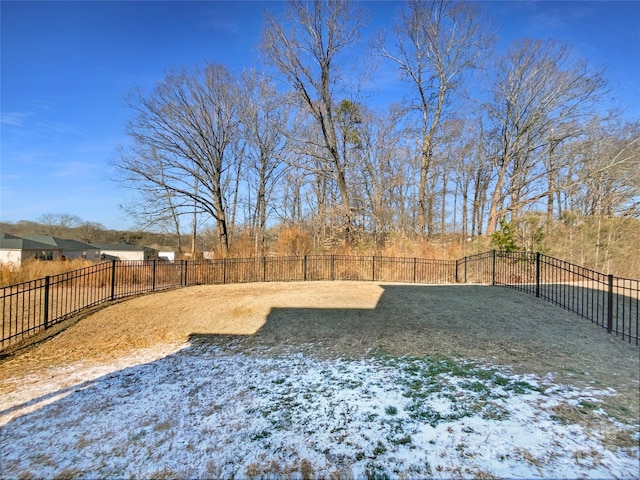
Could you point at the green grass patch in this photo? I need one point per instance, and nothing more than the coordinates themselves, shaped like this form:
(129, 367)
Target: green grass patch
(380, 449)
(260, 435)
(471, 389)
(404, 440)
(476, 387)
(521, 387)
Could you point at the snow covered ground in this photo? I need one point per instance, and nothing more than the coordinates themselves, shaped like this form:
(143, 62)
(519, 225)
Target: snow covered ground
(203, 412)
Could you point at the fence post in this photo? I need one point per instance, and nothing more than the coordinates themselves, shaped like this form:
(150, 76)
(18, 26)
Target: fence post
(493, 268)
(264, 269)
(415, 268)
(537, 274)
(153, 276)
(186, 272)
(333, 257)
(304, 267)
(113, 280)
(465, 269)
(224, 270)
(610, 305)
(373, 269)
(46, 301)
(457, 271)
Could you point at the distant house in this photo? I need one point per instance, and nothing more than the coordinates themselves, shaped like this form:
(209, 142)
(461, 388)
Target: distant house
(166, 253)
(71, 249)
(125, 251)
(15, 250)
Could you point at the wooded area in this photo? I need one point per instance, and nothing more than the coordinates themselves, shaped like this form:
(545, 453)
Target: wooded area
(294, 157)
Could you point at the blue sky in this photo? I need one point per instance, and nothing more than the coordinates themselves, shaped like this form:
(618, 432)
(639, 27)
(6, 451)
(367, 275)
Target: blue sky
(66, 68)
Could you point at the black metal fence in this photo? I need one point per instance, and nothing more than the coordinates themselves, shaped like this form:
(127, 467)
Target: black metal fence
(608, 301)
(611, 302)
(30, 307)
(319, 267)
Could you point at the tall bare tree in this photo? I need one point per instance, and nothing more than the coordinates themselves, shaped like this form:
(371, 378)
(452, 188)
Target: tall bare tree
(155, 212)
(537, 86)
(436, 43)
(383, 178)
(305, 49)
(608, 170)
(181, 136)
(265, 119)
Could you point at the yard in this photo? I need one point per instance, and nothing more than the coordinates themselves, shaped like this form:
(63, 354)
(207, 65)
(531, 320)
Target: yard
(325, 380)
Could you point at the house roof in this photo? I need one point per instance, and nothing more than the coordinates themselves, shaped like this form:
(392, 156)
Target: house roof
(11, 242)
(61, 242)
(122, 247)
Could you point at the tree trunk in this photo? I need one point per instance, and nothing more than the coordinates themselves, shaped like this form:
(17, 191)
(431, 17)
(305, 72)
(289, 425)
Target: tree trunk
(496, 196)
(445, 179)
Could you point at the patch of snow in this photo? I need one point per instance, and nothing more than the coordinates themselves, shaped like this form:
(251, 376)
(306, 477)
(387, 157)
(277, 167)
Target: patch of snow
(204, 412)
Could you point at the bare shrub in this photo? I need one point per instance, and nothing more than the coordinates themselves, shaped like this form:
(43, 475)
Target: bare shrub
(293, 241)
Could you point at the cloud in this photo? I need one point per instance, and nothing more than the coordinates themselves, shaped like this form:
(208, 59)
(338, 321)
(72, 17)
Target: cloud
(224, 25)
(223, 19)
(64, 128)
(40, 104)
(15, 119)
(72, 169)
(40, 127)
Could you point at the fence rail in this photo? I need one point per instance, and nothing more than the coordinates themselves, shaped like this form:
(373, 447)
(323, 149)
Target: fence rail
(611, 302)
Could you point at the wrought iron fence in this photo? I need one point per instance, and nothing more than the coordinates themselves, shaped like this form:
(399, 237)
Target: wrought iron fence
(608, 301)
(31, 307)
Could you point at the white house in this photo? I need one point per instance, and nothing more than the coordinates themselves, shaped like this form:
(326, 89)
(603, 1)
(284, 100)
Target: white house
(15, 250)
(166, 253)
(71, 249)
(125, 251)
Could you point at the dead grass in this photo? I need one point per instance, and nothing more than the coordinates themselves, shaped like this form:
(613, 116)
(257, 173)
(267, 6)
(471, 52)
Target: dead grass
(585, 414)
(570, 414)
(34, 269)
(353, 319)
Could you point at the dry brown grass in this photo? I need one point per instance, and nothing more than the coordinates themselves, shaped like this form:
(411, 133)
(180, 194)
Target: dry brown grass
(351, 319)
(70, 292)
(34, 269)
(293, 241)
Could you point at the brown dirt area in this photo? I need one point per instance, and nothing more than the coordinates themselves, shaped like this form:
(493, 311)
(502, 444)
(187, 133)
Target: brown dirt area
(348, 319)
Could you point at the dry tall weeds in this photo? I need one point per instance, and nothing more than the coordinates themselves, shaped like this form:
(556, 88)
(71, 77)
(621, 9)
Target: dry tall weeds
(33, 269)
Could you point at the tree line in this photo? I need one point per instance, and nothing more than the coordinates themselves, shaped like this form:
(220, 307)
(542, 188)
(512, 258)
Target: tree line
(481, 139)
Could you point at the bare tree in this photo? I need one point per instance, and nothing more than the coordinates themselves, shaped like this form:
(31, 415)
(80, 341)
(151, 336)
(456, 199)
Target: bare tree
(382, 178)
(538, 86)
(305, 49)
(181, 136)
(155, 212)
(600, 223)
(608, 176)
(58, 223)
(265, 119)
(453, 148)
(436, 43)
(89, 231)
